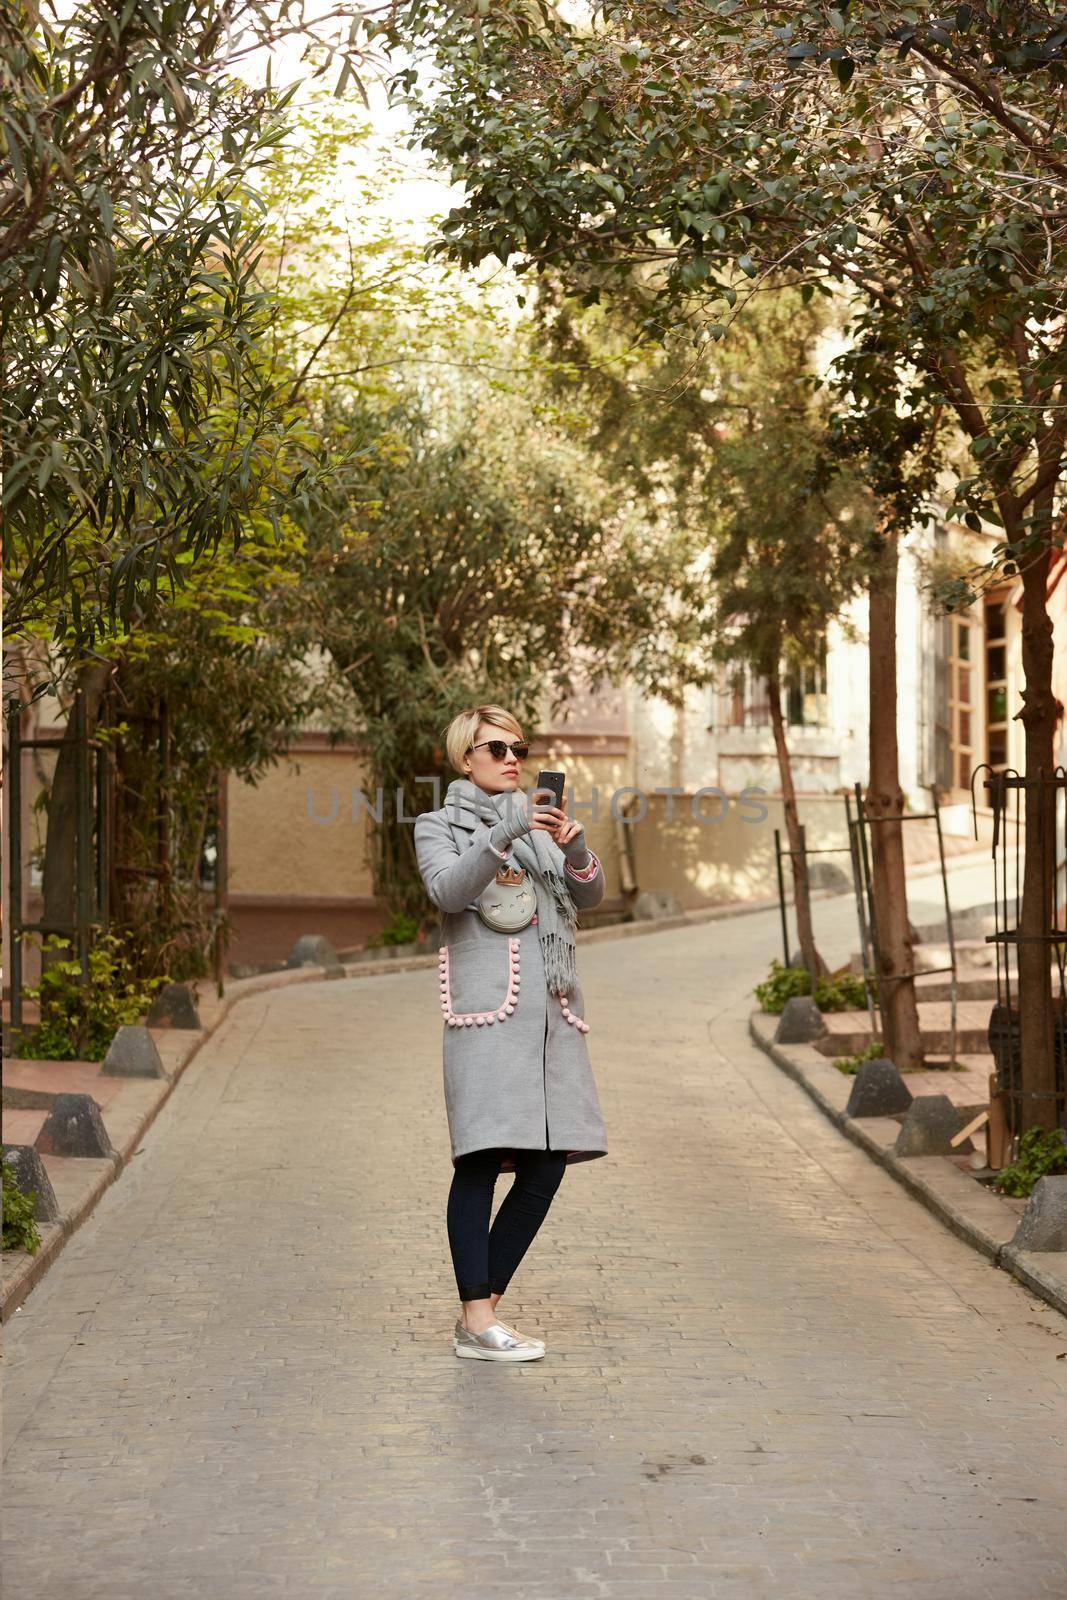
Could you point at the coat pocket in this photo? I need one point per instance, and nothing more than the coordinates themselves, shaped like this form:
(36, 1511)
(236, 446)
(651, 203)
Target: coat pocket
(479, 981)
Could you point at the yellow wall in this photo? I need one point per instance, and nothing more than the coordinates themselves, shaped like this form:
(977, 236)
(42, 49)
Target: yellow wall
(298, 841)
(277, 847)
(303, 832)
(712, 863)
(293, 833)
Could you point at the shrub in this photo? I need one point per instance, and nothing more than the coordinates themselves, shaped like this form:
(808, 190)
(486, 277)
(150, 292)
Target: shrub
(853, 1063)
(79, 1020)
(1042, 1152)
(400, 929)
(781, 984)
(842, 991)
(20, 1231)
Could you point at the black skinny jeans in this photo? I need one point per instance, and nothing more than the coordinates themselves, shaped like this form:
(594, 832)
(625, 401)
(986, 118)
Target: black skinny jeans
(484, 1258)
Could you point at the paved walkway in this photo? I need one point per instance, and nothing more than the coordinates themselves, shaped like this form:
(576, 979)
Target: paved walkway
(770, 1373)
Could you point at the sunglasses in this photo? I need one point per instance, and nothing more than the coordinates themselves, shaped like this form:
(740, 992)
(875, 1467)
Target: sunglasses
(499, 750)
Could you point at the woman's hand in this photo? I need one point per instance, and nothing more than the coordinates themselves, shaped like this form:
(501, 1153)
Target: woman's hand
(568, 834)
(546, 816)
(522, 814)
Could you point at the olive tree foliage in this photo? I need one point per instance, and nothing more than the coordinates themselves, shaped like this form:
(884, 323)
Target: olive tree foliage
(138, 421)
(144, 424)
(916, 162)
(727, 440)
(223, 662)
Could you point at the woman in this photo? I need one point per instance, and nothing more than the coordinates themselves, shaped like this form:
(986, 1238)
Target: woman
(519, 1089)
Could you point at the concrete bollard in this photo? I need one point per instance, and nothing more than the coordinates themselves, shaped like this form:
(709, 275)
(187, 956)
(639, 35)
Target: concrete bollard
(133, 1054)
(879, 1090)
(74, 1127)
(313, 950)
(24, 1168)
(173, 1007)
(931, 1124)
(652, 905)
(1043, 1225)
(801, 1021)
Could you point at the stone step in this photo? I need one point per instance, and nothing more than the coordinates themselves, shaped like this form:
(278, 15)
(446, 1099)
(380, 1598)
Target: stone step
(973, 922)
(969, 986)
(974, 963)
(971, 954)
(850, 1031)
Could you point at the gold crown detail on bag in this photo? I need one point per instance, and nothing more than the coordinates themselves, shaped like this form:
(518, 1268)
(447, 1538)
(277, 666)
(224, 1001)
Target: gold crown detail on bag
(508, 903)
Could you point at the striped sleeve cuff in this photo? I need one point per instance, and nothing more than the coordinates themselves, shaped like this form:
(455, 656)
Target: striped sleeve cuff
(584, 872)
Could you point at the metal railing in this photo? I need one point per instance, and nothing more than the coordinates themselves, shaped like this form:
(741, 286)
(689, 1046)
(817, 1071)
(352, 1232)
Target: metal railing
(858, 826)
(1012, 801)
(782, 854)
(92, 813)
(102, 878)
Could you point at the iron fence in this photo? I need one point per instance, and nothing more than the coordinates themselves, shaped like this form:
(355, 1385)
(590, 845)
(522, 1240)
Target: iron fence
(103, 878)
(93, 810)
(1016, 801)
(859, 826)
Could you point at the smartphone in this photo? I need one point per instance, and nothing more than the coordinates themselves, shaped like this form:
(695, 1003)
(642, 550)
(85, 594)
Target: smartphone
(553, 781)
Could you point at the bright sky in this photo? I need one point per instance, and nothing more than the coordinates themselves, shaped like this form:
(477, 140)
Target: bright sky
(415, 194)
(425, 193)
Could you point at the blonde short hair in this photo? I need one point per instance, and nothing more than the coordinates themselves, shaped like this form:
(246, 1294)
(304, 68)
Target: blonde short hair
(461, 731)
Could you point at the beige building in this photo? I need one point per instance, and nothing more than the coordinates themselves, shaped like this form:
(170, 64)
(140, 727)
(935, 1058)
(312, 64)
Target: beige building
(299, 840)
(682, 800)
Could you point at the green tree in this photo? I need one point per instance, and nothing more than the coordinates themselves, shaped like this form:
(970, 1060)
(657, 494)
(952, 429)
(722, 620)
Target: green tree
(468, 545)
(478, 557)
(916, 163)
(793, 544)
(888, 424)
(225, 665)
(214, 681)
(142, 426)
(734, 440)
(137, 421)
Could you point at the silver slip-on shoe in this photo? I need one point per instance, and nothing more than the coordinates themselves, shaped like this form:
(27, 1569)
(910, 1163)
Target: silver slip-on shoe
(531, 1338)
(495, 1343)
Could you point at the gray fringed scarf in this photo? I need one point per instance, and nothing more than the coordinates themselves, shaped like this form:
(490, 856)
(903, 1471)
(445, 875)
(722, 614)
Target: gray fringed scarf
(556, 913)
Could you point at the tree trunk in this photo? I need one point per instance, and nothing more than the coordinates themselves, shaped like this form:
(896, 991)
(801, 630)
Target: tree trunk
(885, 800)
(801, 886)
(58, 870)
(1038, 717)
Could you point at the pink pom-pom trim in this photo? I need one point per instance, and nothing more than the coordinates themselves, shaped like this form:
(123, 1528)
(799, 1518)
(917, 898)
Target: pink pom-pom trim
(571, 1016)
(507, 1006)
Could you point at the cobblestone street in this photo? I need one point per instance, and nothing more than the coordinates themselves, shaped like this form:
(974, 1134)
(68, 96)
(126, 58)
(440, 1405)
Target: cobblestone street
(770, 1373)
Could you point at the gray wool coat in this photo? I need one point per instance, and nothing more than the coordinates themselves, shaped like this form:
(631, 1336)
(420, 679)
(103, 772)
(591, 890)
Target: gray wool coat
(523, 1080)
